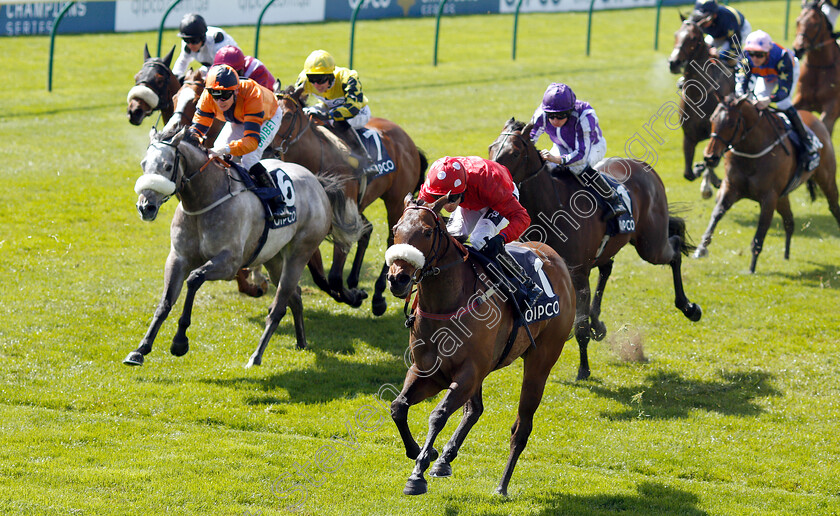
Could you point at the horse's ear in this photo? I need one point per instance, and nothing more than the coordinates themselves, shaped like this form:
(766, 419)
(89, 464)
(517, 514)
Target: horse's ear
(683, 17)
(526, 131)
(153, 133)
(176, 139)
(298, 92)
(438, 204)
(407, 200)
(146, 54)
(168, 57)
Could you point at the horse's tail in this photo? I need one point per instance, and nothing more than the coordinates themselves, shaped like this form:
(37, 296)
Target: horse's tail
(812, 189)
(347, 223)
(424, 164)
(676, 226)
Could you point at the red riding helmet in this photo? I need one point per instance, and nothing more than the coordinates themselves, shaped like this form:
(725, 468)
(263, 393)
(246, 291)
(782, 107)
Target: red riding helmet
(222, 77)
(231, 56)
(446, 175)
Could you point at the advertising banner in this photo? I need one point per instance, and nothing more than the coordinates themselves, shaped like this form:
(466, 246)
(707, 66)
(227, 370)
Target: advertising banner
(377, 9)
(138, 15)
(38, 18)
(531, 6)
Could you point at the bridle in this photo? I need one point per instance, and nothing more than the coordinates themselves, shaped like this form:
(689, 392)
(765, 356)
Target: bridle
(439, 238)
(286, 140)
(164, 101)
(730, 143)
(822, 28)
(522, 139)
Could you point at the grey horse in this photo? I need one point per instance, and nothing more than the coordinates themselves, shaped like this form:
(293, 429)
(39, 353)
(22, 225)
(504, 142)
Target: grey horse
(218, 226)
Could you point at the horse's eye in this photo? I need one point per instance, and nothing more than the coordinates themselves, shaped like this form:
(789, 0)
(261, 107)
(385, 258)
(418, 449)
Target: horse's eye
(427, 233)
(167, 167)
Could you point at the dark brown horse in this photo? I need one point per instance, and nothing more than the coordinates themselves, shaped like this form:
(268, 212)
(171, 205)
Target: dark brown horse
(154, 87)
(760, 165)
(705, 76)
(460, 334)
(571, 222)
(303, 139)
(818, 88)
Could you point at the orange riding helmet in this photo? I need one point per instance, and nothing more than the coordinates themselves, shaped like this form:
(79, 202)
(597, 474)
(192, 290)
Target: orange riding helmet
(222, 77)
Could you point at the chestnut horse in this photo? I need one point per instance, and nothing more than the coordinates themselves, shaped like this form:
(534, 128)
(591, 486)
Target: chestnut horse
(454, 346)
(760, 165)
(818, 88)
(154, 87)
(556, 206)
(303, 139)
(705, 77)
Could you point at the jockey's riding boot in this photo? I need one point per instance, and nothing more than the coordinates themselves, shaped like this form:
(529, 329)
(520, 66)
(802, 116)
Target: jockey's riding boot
(512, 268)
(353, 140)
(613, 202)
(263, 180)
(812, 151)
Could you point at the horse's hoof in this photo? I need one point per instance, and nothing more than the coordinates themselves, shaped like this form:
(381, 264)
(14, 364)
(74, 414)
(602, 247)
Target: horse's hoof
(441, 470)
(598, 331)
(415, 486)
(355, 298)
(501, 491)
(378, 306)
(133, 358)
(701, 252)
(689, 175)
(693, 312)
(179, 348)
(706, 193)
(253, 362)
(583, 374)
(301, 345)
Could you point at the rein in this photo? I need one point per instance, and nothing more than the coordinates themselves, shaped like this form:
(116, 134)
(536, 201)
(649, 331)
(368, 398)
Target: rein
(285, 141)
(728, 145)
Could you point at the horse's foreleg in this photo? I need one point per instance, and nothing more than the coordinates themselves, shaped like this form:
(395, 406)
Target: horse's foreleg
(689, 309)
(359, 257)
(221, 266)
(352, 297)
(472, 411)
(378, 304)
(173, 280)
(783, 207)
(316, 268)
(765, 218)
(597, 328)
(461, 390)
(689, 144)
(416, 389)
(581, 282)
(724, 203)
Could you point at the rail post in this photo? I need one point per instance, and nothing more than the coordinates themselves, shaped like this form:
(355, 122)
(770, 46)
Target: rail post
(52, 41)
(515, 23)
(437, 27)
(259, 25)
(162, 21)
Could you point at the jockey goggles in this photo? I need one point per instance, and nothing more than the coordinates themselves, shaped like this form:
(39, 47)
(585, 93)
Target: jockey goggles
(320, 78)
(192, 40)
(558, 116)
(221, 94)
(757, 53)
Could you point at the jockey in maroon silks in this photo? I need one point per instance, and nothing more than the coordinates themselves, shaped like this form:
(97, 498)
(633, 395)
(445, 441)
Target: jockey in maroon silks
(572, 126)
(246, 66)
(484, 204)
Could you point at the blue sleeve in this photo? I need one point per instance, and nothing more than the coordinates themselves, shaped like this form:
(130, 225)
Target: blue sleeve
(785, 69)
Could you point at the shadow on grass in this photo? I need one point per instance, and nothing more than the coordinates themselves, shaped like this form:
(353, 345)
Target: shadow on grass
(820, 276)
(667, 395)
(818, 226)
(337, 372)
(651, 498)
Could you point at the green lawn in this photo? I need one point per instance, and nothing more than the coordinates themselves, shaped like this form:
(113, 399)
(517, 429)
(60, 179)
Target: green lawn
(736, 414)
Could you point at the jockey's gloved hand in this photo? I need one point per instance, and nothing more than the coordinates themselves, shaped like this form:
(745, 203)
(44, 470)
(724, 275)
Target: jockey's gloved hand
(494, 246)
(315, 111)
(219, 151)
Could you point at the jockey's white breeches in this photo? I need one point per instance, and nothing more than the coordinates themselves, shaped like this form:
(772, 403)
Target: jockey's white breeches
(596, 154)
(481, 225)
(232, 132)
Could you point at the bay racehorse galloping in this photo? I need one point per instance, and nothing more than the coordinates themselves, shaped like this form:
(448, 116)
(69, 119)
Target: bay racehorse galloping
(818, 88)
(154, 87)
(220, 226)
(579, 235)
(704, 74)
(302, 139)
(760, 165)
(460, 334)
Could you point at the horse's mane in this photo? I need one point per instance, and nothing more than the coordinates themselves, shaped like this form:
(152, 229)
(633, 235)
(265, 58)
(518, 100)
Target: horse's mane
(516, 125)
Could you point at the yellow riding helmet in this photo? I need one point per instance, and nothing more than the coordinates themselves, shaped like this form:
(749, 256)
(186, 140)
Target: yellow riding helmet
(319, 62)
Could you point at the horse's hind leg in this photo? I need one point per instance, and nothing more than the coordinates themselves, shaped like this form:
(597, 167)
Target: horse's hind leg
(597, 328)
(725, 201)
(173, 281)
(472, 411)
(689, 309)
(582, 328)
(359, 257)
(537, 368)
(783, 207)
(416, 389)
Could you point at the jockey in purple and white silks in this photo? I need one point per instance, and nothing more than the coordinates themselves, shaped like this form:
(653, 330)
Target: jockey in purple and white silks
(579, 144)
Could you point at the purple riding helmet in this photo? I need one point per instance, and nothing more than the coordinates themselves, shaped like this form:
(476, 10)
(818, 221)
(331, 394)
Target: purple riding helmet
(558, 98)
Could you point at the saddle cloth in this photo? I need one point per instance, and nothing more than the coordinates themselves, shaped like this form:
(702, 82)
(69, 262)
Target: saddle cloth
(382, 162)
(547, 305)
(624, 223)
(285, 190)
(798, 144)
